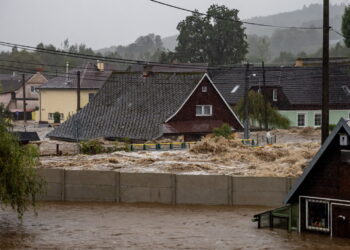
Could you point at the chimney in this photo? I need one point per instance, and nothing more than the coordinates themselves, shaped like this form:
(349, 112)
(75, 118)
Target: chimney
(147, 70)
(100, 66)
(67, 72)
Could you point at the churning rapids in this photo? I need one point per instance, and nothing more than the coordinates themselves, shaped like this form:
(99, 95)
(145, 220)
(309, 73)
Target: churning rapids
(111, 226)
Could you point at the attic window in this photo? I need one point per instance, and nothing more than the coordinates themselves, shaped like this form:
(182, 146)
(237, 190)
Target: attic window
(234, 89)
(204, 110)
(346, 89)
(204, 89)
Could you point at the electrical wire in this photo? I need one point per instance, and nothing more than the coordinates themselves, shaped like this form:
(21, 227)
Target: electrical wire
(237, 21)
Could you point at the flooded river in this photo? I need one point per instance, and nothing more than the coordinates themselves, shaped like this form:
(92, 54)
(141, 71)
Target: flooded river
(111, 226)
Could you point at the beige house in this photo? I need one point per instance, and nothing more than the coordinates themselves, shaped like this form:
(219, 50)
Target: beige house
(11, 93)
(60, 93)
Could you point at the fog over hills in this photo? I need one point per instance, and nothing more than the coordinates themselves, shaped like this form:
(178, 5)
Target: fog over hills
(286, 40)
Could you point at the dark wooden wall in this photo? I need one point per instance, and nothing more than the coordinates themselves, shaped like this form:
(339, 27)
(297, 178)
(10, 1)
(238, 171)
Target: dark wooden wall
(220, 111)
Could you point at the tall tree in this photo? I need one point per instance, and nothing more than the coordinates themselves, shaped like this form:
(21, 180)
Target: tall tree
(217, 38)
(345, 27)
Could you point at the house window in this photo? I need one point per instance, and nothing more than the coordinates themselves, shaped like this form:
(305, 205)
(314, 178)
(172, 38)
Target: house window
(62, 116)
(301, 119)
(317, 215)
(274, 95)
(204, 110)
(32, 89)
(50, 116)
(91, 96)
(204, 89)
(317, 120)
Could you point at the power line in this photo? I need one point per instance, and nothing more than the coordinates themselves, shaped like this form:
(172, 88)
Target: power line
(237, 21)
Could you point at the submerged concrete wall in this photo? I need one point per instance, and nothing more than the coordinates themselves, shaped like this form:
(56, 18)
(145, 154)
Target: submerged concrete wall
(110, 186)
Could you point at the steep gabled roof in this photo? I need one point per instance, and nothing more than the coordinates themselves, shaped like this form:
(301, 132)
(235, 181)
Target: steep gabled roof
(130, 105)
(90, 78)
(293, 192)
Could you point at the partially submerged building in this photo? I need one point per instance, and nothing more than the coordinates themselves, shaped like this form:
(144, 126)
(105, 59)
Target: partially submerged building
(319, 201)
(148, 105)
(295, 91)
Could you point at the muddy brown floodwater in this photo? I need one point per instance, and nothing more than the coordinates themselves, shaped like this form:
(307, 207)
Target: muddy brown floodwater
(111, 226)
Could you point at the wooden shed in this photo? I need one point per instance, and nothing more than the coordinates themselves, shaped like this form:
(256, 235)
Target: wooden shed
(319, 201)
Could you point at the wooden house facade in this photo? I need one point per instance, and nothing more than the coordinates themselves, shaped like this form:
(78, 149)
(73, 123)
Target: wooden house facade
(320, 199)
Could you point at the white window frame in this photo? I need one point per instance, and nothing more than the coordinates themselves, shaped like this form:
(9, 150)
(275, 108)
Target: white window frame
(202, 109)
(305, 119)
(204, 89)
(50, 116)
(274, 95)
(317, 113)
(320, 229)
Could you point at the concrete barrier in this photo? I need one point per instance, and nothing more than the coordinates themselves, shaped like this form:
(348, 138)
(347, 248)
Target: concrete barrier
(146, 187)
(265, 191)
(80, 185)
(54, 188)
(203, 189)
(90, 185)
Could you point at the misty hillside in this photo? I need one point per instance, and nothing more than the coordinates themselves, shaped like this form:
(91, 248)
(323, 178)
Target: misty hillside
(292, 41)
(307, 16)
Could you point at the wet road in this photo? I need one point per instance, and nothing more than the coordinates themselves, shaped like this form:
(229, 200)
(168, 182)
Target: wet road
(111, 226)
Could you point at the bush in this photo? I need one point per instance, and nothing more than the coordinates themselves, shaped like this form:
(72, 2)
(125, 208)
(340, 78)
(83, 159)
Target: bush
(225, 131)
(91, 147)
(56, 117)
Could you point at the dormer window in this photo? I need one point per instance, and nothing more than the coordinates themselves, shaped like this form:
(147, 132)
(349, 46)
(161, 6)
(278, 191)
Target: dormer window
(274, 95)
(204, 89)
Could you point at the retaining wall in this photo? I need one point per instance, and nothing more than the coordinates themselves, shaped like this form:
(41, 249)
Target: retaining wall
(110, 186)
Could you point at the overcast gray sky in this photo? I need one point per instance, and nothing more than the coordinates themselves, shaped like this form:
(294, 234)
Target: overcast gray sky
(102, 23)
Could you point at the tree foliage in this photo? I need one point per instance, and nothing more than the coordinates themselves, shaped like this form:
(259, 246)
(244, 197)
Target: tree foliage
(257, 112)
(213, 39)
(19, 183)
(345, 27)
(225, 131)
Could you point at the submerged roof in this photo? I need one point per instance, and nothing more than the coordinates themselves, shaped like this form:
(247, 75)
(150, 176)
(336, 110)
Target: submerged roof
(293, 192)
(130, 105)
(90, 78)
(301, 85)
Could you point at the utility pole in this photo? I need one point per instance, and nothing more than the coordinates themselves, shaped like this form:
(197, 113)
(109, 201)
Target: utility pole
(246, 104)
(24, 98)
(325, 72)
(265, 98)
(78, 91)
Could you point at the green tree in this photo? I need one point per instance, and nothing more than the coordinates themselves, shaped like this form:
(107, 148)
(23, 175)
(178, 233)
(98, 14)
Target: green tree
(217, 38)
(345, 26)
(259, 48)
(19, 183)
(56, 117)
(285, 58)
(257, 112)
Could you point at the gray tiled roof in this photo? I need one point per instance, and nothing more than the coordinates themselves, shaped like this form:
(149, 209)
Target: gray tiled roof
(9, 83)
(90, 78)
(301, 85)
(130, 105)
